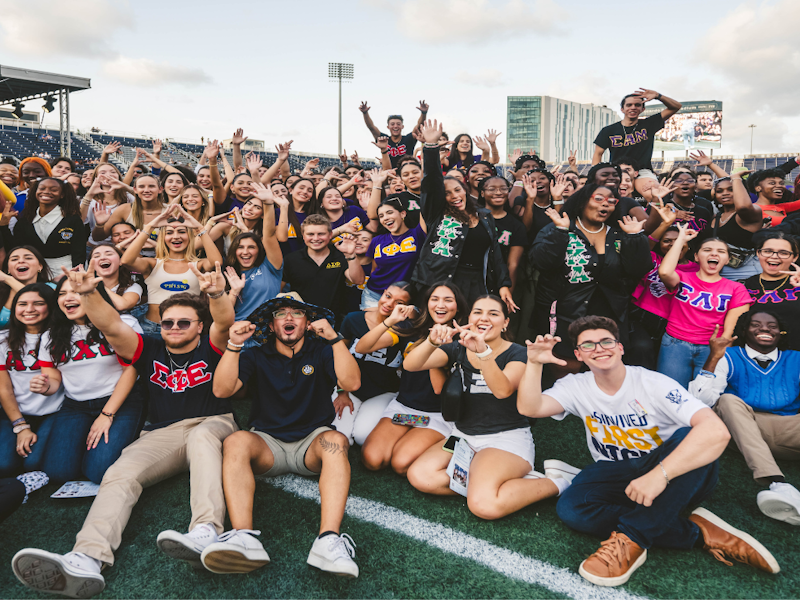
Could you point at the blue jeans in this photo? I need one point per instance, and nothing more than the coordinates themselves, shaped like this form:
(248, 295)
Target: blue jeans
(681, 360)
(596, 503)
(149, 328)
(11, 463)
(369, 299)
(68, 459)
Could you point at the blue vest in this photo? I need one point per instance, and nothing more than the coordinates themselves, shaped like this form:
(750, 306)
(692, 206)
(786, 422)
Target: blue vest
(775, 389)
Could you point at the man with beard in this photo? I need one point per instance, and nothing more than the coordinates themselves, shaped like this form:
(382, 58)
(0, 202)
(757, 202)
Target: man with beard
(185, 429)
(754, 386)
(291, 377)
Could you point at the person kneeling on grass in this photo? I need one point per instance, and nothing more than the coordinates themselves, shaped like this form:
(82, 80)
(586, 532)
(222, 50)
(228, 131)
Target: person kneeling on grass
(754, 387)
(185, 429)
(656, 448)
(291, 376)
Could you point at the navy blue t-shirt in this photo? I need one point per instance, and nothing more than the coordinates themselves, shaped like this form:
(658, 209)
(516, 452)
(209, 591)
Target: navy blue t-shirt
(416, 391)
(291, 396)
(379, 368)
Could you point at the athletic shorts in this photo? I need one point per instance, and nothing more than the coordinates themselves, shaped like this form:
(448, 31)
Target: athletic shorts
(436, 423)
(290, 456)
(516, 441)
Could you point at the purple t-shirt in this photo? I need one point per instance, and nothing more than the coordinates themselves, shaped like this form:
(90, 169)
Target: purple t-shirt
(355, 214)
(394, 257)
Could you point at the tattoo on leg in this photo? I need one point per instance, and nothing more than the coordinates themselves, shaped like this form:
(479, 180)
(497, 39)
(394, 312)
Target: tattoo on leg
(331, 447)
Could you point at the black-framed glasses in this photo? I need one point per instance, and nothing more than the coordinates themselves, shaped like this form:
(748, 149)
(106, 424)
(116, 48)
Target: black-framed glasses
(183, 324)
(767, 252)
(606, 344)
(282, 313)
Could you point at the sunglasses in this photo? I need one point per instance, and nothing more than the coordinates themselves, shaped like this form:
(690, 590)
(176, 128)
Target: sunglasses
(183, 324)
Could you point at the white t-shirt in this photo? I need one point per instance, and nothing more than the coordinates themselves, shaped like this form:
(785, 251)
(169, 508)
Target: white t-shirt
(93, 371)
(134, 287)
(21, 373)
(642, 415)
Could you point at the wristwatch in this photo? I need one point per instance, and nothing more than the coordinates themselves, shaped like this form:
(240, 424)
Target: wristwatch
(339, 337)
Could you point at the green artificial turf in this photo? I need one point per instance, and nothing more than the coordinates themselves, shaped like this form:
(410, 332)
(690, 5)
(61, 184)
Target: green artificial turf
(393, 565)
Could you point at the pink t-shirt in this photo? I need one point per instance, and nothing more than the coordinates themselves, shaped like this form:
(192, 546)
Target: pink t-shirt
(698, 306)
(651, 294)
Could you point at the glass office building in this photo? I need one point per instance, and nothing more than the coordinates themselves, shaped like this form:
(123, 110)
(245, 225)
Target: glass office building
(553, 127)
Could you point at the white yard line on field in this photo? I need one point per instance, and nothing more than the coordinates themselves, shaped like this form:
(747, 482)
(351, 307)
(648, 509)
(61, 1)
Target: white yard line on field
(504, 561)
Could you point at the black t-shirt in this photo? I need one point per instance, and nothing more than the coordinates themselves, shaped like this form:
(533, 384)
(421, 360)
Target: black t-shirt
(482, 412)
(321, 285)
(411, 204)
(180, 388)
(292, 396)
(701, 218)
(397, 150)
(635, 141)
(780, 297)
(510, 232)
(416, 391)
(378, 369)
(354, 291)
(475, 247)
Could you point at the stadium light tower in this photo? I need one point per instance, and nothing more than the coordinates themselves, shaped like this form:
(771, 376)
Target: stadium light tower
(752, 129)
(339, 71)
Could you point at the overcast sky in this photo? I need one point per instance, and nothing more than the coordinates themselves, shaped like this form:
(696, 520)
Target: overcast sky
(187, 69)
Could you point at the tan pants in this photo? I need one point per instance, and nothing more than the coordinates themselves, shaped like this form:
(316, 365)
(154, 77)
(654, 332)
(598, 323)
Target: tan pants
(760, 437)
(193, 444)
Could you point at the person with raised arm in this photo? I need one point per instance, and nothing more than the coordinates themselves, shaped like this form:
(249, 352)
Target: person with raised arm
(302, 197)
(186, 426)
(636, 137)
(655, 448)
(118, 279)
(398, 144)
(301, 359)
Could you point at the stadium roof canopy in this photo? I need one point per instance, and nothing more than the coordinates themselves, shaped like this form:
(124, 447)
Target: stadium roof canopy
(20, 85)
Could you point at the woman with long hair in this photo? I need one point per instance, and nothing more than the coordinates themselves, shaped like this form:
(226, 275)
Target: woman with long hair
(173, 184)
(489, 420)
(30, 414)
(117, 278)
(22, 266)
(106, 191)
(50, 222)
(195, 201)
(461, 243)
(395, 441)
(99, 415)
(172, 270)
(344, 218)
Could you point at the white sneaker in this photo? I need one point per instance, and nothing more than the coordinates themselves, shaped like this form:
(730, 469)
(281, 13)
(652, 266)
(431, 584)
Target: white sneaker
(237, 551)
(73, 574)
(781, 501)
(334, 553)
(187, 546)
(556, 469)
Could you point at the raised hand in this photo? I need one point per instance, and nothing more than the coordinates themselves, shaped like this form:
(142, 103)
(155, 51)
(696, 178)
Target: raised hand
(382, 143)
(572, 160)
(283, 150)
(741, 174)
(8, 214)
(701, 158)
(212, 281)
(472, 339)
(630, 225)
(432, 131)
(343, 158)
(423, 107)
(481, 144)
(235, 280)
(685, 234)
(323, 329)
(218, 218)
(363, 107)
(101, 214)
(311, 164)
(157, 145)
(212, 150)
(188, 219)
(162, 219)
(794, 280)
(665, 211)
(560, 219)
(113, 148)
(492, 136)
(238, 137)
(263, 193)
(541, 351)
(401, 312)
(529, 185)
(347, 244)
(354, 158)
(83, 282)
(254, 162)
(646, 94)
(379, 176)
(512, 158)
(558, 186)
(238, 221)
(240, 332)
(719, 343)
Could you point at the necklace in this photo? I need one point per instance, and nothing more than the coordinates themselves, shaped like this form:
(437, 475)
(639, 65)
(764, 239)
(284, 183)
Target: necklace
(177, 366)
(625, 130)
(780, 285)
(176, 259)
(586, 229)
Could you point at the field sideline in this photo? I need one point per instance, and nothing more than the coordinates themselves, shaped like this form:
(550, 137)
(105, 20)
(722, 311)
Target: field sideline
(410, 545)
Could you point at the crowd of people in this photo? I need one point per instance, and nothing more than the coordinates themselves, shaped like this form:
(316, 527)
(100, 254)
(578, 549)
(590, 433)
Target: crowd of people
(378, 308)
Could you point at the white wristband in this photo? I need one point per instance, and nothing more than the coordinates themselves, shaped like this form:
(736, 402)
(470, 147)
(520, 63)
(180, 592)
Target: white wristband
(485, 353)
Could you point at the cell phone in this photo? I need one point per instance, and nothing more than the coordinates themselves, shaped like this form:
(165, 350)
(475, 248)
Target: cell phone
(412, 420)
(450, 444)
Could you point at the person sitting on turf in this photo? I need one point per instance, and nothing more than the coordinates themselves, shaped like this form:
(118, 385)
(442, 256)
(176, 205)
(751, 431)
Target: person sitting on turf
(292, 375)
(756, 388)
(185, 429)
(645, 432)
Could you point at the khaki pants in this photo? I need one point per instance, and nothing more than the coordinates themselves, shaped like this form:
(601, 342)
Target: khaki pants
(760, 437)
(193, 444)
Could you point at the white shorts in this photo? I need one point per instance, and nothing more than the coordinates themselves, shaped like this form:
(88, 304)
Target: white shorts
(437, 422)
(647, 174)
(516, 441)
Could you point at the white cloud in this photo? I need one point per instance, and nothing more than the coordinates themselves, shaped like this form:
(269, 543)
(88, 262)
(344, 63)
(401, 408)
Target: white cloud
(471, 21)
(489, 78)
(148, 73)
(49, 29)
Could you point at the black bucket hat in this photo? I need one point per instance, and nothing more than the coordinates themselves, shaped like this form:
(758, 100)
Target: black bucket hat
(262, 316)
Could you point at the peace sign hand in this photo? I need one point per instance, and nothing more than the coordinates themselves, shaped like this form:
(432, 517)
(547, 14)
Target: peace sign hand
(795, 275)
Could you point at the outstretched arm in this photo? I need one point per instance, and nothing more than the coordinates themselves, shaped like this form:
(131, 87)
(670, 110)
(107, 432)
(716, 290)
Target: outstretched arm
(530, 400)
(368, 120)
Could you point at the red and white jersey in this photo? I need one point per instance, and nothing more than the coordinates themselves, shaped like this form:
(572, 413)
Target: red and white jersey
(22, 371)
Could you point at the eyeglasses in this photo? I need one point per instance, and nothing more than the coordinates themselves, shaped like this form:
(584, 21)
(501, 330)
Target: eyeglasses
(183, 324)
(767, 252)
(282, 313)
(494, 190)
(606, 344)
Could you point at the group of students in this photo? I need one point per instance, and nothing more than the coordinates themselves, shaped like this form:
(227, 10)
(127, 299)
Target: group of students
(378, 308)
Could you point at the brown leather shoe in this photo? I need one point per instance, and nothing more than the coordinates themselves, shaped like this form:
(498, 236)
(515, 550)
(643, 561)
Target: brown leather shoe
(721, 540)
(615, 561)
